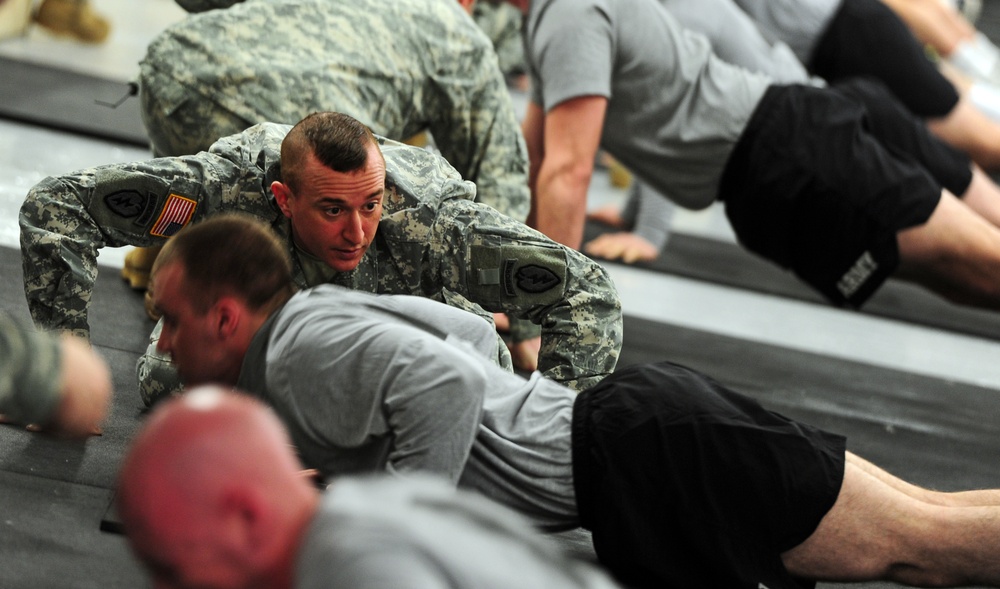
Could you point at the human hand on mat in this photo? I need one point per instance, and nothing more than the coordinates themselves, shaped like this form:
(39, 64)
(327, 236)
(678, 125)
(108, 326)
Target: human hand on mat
(524, 354)
(83, 395)
(624, 246)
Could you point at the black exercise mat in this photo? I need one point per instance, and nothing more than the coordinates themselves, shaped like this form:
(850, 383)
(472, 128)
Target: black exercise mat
(51, 538)
(117, 318)
(729, 264)
(93, 462)
(69, 101)
(120, 334)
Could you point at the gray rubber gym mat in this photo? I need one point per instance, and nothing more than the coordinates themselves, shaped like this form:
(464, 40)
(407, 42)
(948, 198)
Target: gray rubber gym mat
(69, 101)
(55, 492)
(117, 319)
(50, 537)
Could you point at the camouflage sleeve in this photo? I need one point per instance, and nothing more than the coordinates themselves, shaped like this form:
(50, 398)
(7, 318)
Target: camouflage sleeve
(501, 21)
(64, 221)
(29, 380)
(203, 5)
(478, 131)
(505, 266)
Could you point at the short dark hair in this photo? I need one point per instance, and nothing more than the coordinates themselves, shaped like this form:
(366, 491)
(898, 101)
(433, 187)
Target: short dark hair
(231, 254)
(340, 142)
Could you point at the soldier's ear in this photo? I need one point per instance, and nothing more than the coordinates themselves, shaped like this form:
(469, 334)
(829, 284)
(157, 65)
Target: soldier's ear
(281, 194)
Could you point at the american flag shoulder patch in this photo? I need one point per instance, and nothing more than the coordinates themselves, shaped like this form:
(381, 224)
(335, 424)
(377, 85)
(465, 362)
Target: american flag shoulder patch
(176, 213)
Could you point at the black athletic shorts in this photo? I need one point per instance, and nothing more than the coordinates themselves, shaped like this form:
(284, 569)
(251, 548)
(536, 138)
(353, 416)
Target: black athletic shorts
(866, 38)
(822, 180)
(684, 483)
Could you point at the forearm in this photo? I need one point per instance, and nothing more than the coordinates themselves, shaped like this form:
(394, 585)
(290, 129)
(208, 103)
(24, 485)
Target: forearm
(933, 23)
(560, 203)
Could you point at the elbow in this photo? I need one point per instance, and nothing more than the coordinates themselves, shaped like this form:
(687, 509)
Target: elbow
(570, 180)
(578, 172)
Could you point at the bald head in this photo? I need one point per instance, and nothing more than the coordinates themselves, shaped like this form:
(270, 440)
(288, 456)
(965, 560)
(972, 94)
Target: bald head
(210, 493)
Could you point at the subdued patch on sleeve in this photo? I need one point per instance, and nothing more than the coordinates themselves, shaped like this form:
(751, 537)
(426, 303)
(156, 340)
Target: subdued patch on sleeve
(534, 274)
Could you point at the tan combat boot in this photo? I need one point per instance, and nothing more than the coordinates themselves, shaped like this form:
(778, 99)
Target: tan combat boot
(74, 18)
(620, 176)
(138, 263)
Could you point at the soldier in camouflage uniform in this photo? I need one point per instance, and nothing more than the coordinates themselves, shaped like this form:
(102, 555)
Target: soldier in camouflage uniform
(400, 67)
(432, 241)
(403, 68)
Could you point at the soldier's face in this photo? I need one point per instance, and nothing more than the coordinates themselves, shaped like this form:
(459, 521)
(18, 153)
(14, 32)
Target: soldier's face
(334, 214)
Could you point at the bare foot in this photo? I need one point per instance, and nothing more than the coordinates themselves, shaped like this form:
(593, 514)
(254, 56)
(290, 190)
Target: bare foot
(525, 354)
(627, 247)
(609, 215)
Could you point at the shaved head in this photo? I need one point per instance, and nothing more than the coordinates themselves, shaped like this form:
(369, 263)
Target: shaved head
(210, 493)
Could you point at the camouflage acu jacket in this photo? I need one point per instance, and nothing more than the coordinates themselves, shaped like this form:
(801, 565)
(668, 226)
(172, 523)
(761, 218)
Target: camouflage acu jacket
(432, 241)
(502, 22)
(401, 67)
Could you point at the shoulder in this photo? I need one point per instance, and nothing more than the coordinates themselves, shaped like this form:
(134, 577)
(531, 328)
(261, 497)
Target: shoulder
(415, 177)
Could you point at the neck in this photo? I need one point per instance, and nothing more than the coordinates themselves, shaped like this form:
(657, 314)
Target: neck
(241, 347)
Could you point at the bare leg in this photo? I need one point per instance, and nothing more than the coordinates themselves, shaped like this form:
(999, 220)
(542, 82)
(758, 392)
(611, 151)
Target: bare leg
(970, 130)
(956, 253)
(933, 23)
(983, 197)
(878, 530)
(981, 498)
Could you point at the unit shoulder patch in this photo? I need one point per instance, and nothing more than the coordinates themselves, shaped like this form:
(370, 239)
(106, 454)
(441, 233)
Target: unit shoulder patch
(535, 279)
(126, 203)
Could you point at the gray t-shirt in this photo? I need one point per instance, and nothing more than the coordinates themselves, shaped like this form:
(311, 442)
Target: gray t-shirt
(403, 384)
(390, 533)
(736, 38)
(798, 23)
(675, 110)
